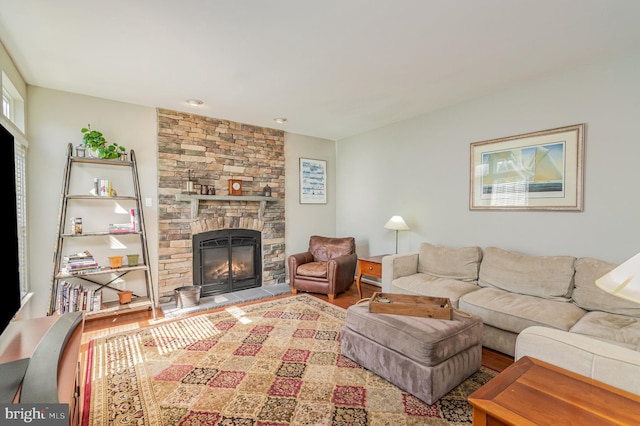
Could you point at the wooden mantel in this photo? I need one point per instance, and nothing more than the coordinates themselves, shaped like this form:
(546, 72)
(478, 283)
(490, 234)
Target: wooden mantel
(195, 200)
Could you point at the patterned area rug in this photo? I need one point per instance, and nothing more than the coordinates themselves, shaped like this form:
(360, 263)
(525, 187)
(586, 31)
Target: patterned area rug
(268, 364)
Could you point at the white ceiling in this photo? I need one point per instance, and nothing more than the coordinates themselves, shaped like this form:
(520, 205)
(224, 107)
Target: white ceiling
(334, 68)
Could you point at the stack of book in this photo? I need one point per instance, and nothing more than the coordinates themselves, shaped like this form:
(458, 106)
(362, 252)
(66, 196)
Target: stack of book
(73, 297)
(79, 263)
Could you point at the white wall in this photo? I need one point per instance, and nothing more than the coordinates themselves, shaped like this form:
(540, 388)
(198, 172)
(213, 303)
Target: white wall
(304, 220)
(420, 169)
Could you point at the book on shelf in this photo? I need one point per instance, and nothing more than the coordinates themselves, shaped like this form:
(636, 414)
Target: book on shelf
(81, 271)
(104, 188)
(96, 301)
(85, 255)
(72, 266)
(73, 297)
(135, 220)
(120, 228)
(66, 261)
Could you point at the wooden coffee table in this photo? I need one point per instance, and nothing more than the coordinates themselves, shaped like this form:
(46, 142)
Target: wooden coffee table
(533, 392)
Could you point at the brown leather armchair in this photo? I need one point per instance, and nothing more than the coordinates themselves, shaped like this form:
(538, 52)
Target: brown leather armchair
(327, 267)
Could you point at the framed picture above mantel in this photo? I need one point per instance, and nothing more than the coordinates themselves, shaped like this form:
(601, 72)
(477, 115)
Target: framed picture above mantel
(534, 171)
(313, 181)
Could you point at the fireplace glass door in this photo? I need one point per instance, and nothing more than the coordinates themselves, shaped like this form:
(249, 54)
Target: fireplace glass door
(227, 260)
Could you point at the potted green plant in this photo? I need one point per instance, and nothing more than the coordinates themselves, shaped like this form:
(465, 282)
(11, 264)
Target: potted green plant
(96, 142)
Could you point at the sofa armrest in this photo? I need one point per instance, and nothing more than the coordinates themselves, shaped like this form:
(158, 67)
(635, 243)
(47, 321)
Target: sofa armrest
(606, 362)
(396, 266)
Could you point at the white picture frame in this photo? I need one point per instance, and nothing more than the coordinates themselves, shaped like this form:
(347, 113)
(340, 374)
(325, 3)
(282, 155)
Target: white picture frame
(313, 181)
(514, 173)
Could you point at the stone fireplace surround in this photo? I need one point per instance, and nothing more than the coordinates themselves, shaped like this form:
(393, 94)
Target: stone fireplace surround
(216, 150)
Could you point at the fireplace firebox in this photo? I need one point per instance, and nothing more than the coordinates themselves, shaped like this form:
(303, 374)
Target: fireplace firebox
(227, 260)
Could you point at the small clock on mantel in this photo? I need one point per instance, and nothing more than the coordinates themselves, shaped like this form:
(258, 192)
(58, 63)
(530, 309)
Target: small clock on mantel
(235, 187)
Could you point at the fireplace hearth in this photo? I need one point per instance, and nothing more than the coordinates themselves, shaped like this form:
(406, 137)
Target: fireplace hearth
(227, 260)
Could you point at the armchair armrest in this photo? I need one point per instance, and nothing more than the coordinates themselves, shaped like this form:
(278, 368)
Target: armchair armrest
(343, 268)
(396, 266)
(347, 261)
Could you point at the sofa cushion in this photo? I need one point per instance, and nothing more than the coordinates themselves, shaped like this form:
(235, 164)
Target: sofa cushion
(458, 263)
(550, 277)
(619, 329)
(589, 296)
(515, 312)
(427, 285)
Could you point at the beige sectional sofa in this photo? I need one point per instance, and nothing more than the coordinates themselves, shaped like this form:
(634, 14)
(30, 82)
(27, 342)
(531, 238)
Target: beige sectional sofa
(603, 361)
(512, 291)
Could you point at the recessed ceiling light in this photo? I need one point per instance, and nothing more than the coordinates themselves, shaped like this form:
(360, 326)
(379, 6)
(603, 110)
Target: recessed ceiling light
(194, 102)
(280, 120)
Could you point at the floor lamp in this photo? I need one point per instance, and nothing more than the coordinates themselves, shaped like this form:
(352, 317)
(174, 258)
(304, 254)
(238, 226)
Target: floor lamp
(624, 280)
(396, 223)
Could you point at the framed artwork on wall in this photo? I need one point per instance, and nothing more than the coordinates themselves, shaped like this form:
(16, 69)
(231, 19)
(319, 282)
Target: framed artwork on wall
(313, 181)
(534, 171)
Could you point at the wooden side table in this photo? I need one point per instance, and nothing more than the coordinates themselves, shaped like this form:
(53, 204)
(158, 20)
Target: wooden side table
(369, 266)
(533, 392)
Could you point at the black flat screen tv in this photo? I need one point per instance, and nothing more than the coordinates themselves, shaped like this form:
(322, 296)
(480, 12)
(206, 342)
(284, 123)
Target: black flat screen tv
(10, 283)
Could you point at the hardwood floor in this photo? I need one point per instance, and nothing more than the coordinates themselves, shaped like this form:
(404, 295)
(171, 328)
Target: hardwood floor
(102, 326)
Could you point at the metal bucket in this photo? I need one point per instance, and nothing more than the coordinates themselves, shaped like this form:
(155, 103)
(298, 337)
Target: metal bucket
(187, 296)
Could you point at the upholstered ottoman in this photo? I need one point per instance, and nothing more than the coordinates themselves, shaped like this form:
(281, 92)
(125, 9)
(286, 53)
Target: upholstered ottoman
(423, 356)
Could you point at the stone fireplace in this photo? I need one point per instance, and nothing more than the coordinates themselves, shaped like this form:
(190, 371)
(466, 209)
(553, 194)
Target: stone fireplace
(212, 151)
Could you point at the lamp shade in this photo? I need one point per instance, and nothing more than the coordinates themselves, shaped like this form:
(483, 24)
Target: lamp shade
(397, 223)
(623, 281)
